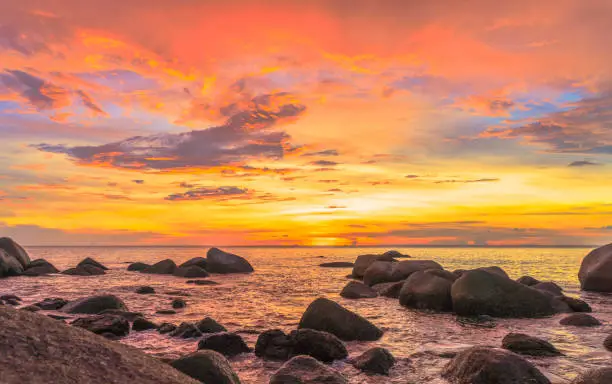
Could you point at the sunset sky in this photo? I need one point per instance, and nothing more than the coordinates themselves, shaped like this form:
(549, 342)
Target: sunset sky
(310, 122)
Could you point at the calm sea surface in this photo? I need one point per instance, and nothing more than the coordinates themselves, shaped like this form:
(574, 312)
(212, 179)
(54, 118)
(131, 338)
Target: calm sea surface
(287, 280)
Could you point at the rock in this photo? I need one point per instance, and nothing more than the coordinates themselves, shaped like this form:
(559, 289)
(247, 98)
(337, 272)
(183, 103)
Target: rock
(145, 290)
(337, 264)
(179, 303)
(58, 353)
(357, 290)
(495, 270)
(228, 344)
(137, 267)
(101, 324)
(378, 272)
(40, 267)
(403, 269)
(178, 293)
(576, 305)
(551, 287)
(306, 370)
(197, 261)
(424, 290)
(51, 303)
(208, 367)
(274, 344)
(11, 297)
(209, 325)
(596, 270)
(395, 254)
(30, 308)
(84, 270)
(166, 328)
(375, 360)
(142, 324)
(58, 317)
(322, 346)
(94, 304)
(9, 266)
(129, 316)
(391, 290)
(219, 261)
(608, 343)
(364, 261)
(595, 376)
(202, 282)
(580, 320)
(529, 345)
(186, 331)
(527, 280)
(328, 316)
(91, 262)
(485, 365)
(164, 267)
(12, 302)
(190, 271)
(166, 312)
(459, 272)
(479, 292)
(15, 251)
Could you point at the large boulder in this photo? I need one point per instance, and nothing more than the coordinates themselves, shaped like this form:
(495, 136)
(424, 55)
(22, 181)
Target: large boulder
(328, 316)
(40, 267)
(423, 290)
(480, 292)
(306, 370)
(596, 270)
(15, 251)
(92, 262)
(9, 265)
(364, 261)
(209, 325)
(485, 365)
(529, 345)
(94, 304)
(550, 287)
(322, 346)
(207, 367)
(58, 353)
(137, 267)
(357, 290)
(190, 271)
(495, 270)
(595, 376)
(197, 261)
(219, 261)
(164, 267)
(403, 269)
(226, 343)
(104, 324)
(274, 344)
(378, 272)
(375, 360)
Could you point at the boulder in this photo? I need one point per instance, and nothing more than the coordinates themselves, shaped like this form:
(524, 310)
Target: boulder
(375, 360)
(15, 251)
(403, 269)
(550, 287)
(364, 261)
(357, 290)
(10, 296)
(391, 290)
(219, 261)
(337, 264)
(166, 328)
(527, 280)
(197, 261)
(429, 291)
(186, 331)
(92, 262)
(9, 265)
(274, 344)
(306, 370)
(576, 305)
(58, 353)
(226, 343)
(142, 324)
(378, 272)
(495, 270)
(608, 343)
(129, 316)
(459, 272)
(101, 324)
(208, 367)
(529, 345)
(137, 267)
(479, 292)
(209, 325)
(595, 272)
(322, 346)
(178, 303)
(395, 254)
(580, 320)
(328, 316)
(84, 270)
(51, 303)
(30, 308)
(145, 290)
(40, 267)
(164, 267)
(595, 376)
(94, 304)
(485, 365)
(190, 271)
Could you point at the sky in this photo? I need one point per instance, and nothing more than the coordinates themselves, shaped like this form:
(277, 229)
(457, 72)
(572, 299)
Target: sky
(335, 122)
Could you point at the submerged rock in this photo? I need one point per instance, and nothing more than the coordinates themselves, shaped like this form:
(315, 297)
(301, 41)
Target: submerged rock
(190, 271)
(166, 328)
(207, 366)
(142, 324)
(337, 264)
(51, 303)
(596, 270)
(202, 282)
(145, 290)
(529, 345)
(357, 290)
(94, 304)
(306, 370)
(328, 316)
(166, 312)
(178, 303)
(226, 343)
(219, 261)
(101, 324)
(209, 325)
(84, 270)
(423, 290)
(580, 320)
(186, 331)
(595, 376)
(137, 267)
(375, 360)
(164, 267)
(364, 261)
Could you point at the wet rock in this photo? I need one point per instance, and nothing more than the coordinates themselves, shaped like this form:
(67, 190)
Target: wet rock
(137, 267)
(179, 303)
(145, 290)
(378, 272)
(209, 325)
(197, 261)
(12, 302)
(51, 303)
(84, 270)
(9, 266)
(608, 343)
(395, 254)
(129, 316)
(364, 261)
(164, 267)
(479, 292)
(357, 290)
(11, 297)
(459, 272)
(328, 316)
(202, 282)
(30, 308)
(484, 365)
(94, 304)
(142, 324)
(495, 270)
(208, 367)
(576, 305)
(274, 344)
(322, 346)
(596, 270)
(403, 269)
(375, 360)
(528, 281)
(14, 258)
(186, 331)
(580, 320)
(219, 261)
(91, 262)
(226, 343)
(40, 267)
(528, 345)
(190, 271)
(429, 291)
(337, 264)
(306, 370)
(101, 324)
(550, 287)
(166, 312)
(595, 376)
(166, 328)
(391, 290)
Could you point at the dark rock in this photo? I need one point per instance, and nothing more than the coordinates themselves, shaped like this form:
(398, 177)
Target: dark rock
(40, 267)
(186, 331)
(9, 266)
(51, 303)
(337, 264)
(219, 261)
(179, 303)
(274, 344)
(448, 275)
(596, 270)
(595, 376)
(527, 280)
(228, 344)
(58, 317)
(403, 269)
(145, 290)
(608, 343)
(84, 270)
(178, 293)
(459, 272)
(528, 345)
(549, 286)
(208, 367)
(197, 261)
(484, 365)
(306, 370)
(11, 297)
(396, 254)
(91, 262)
(379, 272)
(364, 261)
(15, 252)
(479, 292)
(190, 271)
(12, 302)
(30, 308)
(209, 325)
(495, 270)
(424, 290)
(375, 360)
(576, 305)
(137, 267)
(142, 324)
(580, 320)
(164, 267)
(391, 290)
(166, 328)
(328, 316)
(101, 324)
(357, 290)
(322, 346)
(202, 282)
(166, 312)
(94, 304)
(129, 316)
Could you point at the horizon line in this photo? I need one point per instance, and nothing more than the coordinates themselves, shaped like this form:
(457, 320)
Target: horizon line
(316, 246)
